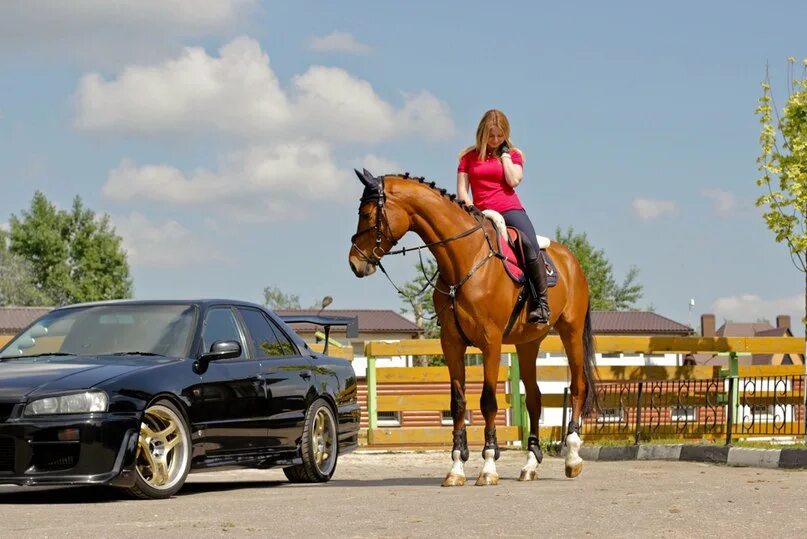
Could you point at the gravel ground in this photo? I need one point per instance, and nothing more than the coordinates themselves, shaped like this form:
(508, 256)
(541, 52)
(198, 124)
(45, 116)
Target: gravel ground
(399, 495)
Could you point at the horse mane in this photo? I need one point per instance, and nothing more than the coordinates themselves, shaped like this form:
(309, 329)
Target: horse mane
(471, 210)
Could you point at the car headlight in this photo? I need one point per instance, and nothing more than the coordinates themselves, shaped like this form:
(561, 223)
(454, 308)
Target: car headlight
(74, 403)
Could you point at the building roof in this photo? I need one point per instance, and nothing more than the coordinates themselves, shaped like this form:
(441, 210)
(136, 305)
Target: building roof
(774, 332)
(748, 329)
(742, 329)
(14, 319)
(635, 323)
(370, 320)
(602, 322)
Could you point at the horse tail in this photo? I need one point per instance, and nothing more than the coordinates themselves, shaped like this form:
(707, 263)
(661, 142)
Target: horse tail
(589, 367)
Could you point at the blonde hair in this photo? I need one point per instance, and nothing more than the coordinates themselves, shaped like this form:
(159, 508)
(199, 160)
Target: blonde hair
(491, 118)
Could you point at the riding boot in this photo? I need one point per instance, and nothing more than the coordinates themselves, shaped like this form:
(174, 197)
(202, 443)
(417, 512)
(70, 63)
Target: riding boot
(536, 272)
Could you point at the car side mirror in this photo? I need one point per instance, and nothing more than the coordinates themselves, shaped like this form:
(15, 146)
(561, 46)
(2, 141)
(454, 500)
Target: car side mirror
(222, 350)
(218, 350)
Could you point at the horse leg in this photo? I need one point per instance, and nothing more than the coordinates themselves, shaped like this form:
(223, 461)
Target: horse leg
(490, 453)
(455, 359)
(572, 338)
(527, 353)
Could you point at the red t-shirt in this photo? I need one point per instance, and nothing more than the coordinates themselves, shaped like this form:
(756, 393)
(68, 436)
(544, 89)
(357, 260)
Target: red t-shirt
(489, 188)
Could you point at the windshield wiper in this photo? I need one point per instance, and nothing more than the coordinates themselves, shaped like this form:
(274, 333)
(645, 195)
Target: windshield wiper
(37, 355)
(136, 353)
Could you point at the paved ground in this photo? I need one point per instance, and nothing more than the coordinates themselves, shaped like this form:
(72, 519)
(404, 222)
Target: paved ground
(398, 495)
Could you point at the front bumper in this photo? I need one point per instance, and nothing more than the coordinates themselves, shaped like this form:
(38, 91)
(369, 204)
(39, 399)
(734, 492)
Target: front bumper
(69, 450)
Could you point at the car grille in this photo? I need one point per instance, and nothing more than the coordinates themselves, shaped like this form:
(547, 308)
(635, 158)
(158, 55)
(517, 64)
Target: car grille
(49, 457)
(6, 454)
(5, 410)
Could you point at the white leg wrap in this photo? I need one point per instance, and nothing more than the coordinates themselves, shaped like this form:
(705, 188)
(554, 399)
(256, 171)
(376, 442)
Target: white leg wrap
(459, 466)
(573, 443)
(532, 463)
(490, 461)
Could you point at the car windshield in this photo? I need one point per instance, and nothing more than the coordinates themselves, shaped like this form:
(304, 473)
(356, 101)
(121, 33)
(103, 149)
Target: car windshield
(106, 330)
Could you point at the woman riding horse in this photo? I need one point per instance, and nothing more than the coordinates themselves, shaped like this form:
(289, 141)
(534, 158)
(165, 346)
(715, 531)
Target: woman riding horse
(494, 169)
(475, 297)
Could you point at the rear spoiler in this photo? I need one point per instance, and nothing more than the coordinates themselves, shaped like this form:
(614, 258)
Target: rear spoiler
(351, 324)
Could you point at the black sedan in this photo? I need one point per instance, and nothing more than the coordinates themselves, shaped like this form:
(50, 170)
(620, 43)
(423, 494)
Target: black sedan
(136, 394)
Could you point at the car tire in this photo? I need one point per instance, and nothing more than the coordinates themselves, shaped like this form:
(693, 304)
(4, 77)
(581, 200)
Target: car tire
(163, 457)
(319, 446)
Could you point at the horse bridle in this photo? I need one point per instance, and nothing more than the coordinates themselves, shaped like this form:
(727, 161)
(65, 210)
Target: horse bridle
(379, 197)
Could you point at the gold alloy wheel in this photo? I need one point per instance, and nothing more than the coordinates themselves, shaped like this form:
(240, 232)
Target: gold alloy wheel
(323, 438)
(162, 449)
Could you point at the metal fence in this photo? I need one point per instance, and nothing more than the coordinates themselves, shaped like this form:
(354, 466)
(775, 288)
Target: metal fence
(716, 408)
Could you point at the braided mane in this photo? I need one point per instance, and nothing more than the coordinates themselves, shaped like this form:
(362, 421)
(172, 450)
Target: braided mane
(472, 210)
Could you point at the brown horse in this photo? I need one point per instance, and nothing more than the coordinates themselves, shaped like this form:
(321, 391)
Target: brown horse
(474, 298)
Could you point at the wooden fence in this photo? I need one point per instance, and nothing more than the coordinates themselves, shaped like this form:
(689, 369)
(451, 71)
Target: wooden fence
(415, 378)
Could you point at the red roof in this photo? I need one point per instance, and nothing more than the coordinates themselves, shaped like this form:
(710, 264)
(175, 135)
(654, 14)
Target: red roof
(746, 329)
(602, 322)
(635, 323)
(742, 329)
(14, 319)
(370, 320)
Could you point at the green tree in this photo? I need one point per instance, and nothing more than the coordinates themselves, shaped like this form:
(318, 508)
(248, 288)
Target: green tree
(605, 292)
(17, 285)
(275, 298)
(783, 163)
(421, 306)
(74, 256)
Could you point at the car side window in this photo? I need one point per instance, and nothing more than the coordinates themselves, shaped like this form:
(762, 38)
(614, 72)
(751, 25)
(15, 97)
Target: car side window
(266, 340)
(220, 325)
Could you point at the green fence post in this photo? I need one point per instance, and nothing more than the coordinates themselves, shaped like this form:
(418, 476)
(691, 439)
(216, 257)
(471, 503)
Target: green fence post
(372, 402)
(515, 394)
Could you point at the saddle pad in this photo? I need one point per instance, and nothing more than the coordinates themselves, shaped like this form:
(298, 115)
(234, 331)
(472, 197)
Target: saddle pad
(514, 269)
(510, 261)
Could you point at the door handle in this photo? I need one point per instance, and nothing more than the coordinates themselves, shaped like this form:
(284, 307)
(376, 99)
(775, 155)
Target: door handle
(305, 375)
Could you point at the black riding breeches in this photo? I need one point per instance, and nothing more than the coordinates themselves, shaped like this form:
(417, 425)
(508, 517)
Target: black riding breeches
(520, 220)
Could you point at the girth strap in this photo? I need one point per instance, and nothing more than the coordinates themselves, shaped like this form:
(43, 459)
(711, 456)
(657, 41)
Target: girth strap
(521, 300)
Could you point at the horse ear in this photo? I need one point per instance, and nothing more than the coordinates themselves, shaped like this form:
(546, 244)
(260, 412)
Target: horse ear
(369, 177)
(363, 178)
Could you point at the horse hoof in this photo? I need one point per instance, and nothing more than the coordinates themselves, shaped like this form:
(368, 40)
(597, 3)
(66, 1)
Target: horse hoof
(453, 480)
(486, 479)
(574, 471)
(528, 475)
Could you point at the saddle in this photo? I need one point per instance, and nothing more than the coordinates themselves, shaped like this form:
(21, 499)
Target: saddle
(511, 252)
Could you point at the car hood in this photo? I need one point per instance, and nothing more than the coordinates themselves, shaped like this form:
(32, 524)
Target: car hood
(22, 377)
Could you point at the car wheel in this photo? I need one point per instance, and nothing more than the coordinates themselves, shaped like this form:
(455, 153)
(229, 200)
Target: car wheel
(163, 452)
(319, 446)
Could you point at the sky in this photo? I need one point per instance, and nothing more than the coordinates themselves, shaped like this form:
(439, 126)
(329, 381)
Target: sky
(220, 135)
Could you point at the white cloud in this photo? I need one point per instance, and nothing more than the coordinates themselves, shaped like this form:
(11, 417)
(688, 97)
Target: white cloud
(750, 308)
(339, 42)
(237, 93)
(646, 208)
(162, 245)
(106, 30)
(378, 165)
(724, 202)
(255, 185)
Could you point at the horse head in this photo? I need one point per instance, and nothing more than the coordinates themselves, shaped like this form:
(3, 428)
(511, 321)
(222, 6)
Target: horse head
(380, 226)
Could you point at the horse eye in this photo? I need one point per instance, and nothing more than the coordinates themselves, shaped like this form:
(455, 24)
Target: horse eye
(365, 215)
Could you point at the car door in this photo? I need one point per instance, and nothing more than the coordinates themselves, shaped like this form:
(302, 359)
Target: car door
(287, 377)
(234, 398)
